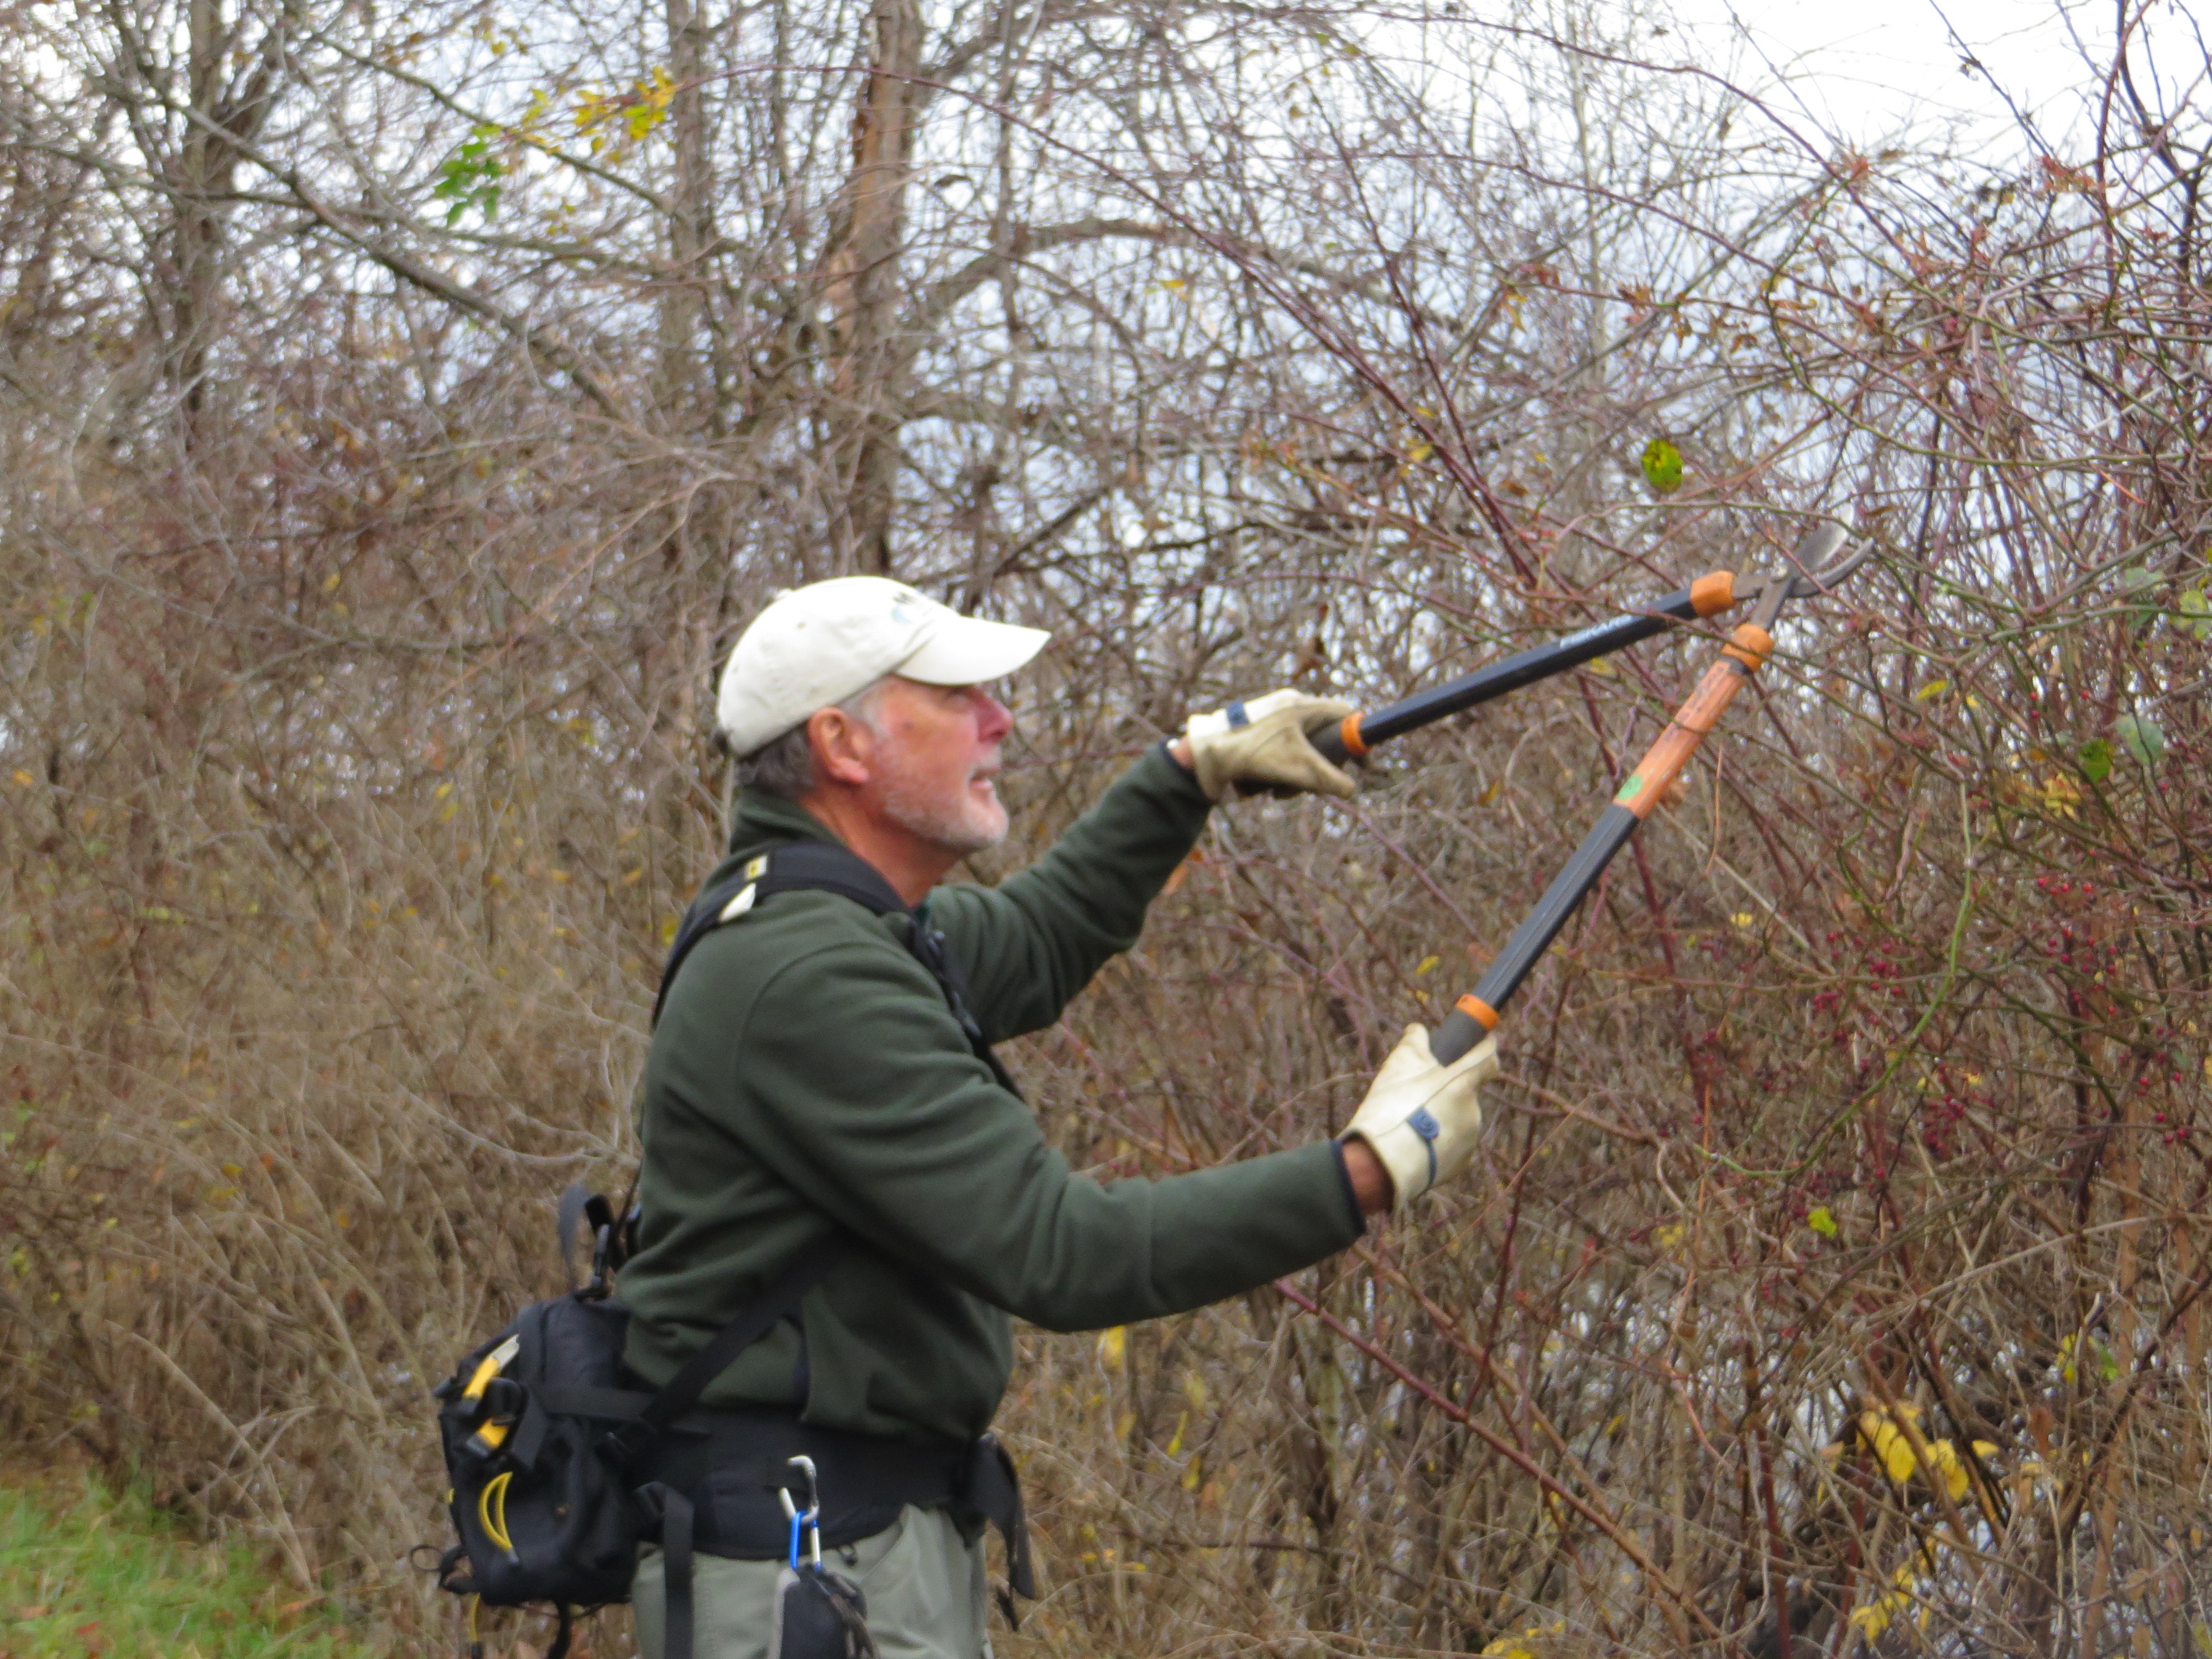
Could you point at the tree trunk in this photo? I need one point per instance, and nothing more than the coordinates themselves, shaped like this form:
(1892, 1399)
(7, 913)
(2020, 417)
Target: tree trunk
(864, 290)
(202, 177)
(692, 355)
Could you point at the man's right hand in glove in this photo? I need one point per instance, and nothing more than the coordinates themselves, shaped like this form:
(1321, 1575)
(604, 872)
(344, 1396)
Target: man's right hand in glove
(1265, 742)
(1420, 1120)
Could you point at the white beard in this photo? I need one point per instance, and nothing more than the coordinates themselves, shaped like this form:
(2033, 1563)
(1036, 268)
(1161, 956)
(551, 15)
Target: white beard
(962, 826)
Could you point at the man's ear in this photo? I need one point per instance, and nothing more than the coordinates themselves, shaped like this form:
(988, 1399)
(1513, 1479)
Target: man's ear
(843, 747)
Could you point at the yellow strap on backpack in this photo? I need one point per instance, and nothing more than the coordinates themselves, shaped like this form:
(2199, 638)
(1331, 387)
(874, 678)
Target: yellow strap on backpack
(491, 1510)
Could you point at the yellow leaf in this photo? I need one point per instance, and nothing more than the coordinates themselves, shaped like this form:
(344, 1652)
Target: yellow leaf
(1743, 917)
(1933, 689)
(1428, 965)
(1420, 452)
(1890, 1446)
(649, 103)
(1113, 1347)
(1945, 1457)
(24, 778)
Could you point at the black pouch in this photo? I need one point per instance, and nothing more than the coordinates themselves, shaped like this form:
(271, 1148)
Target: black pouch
(818, 1615)
(540, 1515)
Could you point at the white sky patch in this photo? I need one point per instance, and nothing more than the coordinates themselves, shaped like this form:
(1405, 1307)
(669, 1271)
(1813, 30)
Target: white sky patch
(1865, 70)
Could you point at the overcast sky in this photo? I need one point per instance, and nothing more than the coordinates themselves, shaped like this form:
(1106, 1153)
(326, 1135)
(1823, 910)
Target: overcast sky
(1862, 66)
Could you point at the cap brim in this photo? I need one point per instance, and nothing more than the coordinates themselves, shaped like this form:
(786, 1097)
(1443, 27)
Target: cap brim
(971, 650)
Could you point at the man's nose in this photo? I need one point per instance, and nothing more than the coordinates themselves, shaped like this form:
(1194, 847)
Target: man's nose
(993, 718)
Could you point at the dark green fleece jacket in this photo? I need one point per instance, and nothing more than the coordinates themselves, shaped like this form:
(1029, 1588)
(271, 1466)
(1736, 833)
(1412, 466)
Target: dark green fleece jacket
(807, 1076)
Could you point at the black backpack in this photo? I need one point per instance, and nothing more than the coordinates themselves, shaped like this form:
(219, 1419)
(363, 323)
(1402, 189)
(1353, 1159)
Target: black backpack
(543, 1425)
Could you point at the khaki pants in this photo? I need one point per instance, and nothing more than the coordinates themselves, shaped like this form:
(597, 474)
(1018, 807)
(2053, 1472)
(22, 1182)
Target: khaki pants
(925, 1585)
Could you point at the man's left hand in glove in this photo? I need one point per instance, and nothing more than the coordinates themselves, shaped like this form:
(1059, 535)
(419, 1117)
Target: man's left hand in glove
(1421, 1119)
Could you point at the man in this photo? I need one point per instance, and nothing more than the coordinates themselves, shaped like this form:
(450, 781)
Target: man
(811, 1084)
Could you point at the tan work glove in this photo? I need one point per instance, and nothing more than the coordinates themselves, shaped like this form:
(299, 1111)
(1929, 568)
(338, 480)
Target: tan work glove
(1263, 744)
(1422, 1119)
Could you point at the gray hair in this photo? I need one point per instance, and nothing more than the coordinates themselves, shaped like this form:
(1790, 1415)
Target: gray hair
(785, 766)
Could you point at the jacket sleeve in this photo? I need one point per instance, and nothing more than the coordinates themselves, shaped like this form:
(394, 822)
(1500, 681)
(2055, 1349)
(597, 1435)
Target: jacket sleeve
(902, 1135)
(1029, 945)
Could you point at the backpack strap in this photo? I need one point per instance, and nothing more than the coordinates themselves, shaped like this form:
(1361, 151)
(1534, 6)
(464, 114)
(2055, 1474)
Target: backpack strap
(822, 867)
(778, 1301)
(638, 1434)
(793, 865)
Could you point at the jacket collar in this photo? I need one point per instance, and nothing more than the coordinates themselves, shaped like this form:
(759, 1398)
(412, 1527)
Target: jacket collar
(761, 817)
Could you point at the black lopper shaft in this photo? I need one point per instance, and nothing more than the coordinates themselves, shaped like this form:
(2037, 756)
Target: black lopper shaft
(1462, 1031)
(1361, 733)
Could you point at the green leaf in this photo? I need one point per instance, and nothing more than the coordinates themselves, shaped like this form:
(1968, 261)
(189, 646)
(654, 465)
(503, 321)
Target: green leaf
(1662, 466)
(2197, 613)
(1821, 1222)
(2096, 756)
(469, 177)
(2142, 737)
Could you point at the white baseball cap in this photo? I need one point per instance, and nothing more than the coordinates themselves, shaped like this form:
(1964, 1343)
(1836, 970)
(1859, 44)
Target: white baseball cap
(820, 644)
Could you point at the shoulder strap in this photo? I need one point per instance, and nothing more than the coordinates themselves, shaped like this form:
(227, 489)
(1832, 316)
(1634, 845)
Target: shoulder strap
(808, 864)
(819, 866)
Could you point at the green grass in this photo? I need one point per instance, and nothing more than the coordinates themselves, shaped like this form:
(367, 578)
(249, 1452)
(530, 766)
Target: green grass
(84, 1573)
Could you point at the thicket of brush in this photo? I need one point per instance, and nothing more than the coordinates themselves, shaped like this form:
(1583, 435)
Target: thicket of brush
(403, 409)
